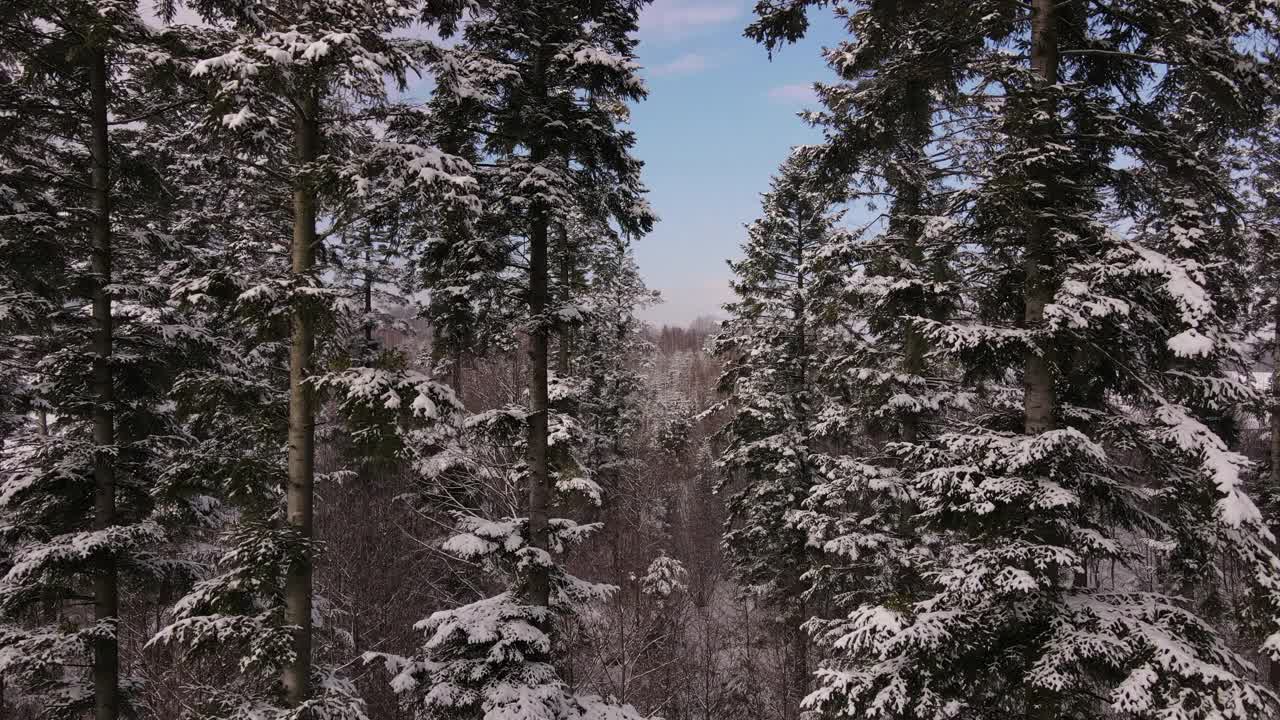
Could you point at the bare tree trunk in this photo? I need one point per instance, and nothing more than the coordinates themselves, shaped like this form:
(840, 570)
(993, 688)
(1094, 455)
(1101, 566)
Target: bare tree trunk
(300, 489)
(106, 598)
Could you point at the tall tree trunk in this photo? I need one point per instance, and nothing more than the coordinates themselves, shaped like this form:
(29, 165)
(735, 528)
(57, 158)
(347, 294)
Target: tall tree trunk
(539, 407)
(299, 493)
(1275, 425)
(1038, 400)
(799, 680)
(914, 344)
(910, 195)
(368, 296)
(566, 277)
(106, 649)
(909, 191)
(539, 580)
(1038, 397)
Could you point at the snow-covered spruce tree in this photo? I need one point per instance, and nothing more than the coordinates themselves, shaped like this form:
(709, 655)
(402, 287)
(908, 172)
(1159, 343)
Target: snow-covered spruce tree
(608, 353)
(539, 90)
(899, 74)
(604, 355)
(1264, 318)
(232, 401)
(97, 342)
(781, 332)
(291, 86)
(79, 81)
(1098, 338)
(461, 258)
(183, 255)
(1262, 156)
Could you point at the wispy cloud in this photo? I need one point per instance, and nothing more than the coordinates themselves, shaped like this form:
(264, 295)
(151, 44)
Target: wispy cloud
(686, 64)
(793, 94)
(676, 18)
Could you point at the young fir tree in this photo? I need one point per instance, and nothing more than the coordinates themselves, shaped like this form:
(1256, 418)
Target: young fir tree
(539, 91)
(608, 347)
(1097, 336)
(780, 335)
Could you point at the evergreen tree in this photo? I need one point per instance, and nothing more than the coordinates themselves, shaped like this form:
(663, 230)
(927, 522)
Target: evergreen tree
(1262, 321)
(292, 88)
(779, 336)
(609, 353)
(1097, 341)
(538, 89)
(95, 346)
(899, 74)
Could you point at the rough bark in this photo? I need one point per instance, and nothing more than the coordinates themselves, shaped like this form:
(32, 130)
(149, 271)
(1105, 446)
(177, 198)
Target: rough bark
(908, 231)
(799, 680)
(566, 278)
(106, 599)
(539, 579)
(299, 493)
(1275, 429)
(1038, 391)
(539, 476)
(368, 296)
(1038, 400)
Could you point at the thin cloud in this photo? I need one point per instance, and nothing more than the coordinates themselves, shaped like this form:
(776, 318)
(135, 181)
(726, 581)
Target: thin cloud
(687, 64)
(793, 94)
(675, 18)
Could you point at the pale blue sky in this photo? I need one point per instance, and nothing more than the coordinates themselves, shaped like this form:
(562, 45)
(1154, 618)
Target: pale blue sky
(719, 119)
